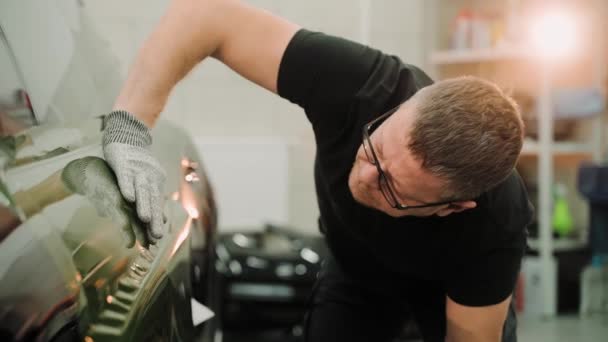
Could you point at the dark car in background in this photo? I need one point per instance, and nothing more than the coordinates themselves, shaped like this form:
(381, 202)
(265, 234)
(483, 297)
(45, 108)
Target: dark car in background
(65, 271)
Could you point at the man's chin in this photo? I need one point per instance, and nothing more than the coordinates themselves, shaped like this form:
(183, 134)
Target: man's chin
(359, 195)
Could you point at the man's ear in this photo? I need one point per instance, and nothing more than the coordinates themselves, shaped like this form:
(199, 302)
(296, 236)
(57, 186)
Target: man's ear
(456, 207)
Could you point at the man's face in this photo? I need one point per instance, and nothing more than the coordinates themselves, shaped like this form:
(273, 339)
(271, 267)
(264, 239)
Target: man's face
(412, 184)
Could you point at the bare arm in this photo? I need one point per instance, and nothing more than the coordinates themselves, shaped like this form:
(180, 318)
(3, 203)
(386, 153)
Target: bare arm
(250, 41)
(475, 324)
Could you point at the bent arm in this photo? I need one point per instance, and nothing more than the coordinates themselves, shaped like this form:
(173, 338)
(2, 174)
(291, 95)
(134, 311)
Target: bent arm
(249, 40)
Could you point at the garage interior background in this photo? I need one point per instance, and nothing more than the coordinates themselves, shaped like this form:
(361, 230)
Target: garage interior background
(234, 121)
(213, 102)
(217, 106)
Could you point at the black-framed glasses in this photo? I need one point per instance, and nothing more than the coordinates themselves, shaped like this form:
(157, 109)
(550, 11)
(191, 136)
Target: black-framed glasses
(385, 187)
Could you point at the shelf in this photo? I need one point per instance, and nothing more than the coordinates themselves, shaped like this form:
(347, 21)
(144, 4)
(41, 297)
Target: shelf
(532, 148)
(559, 244)
(505, 64)
(478, 55)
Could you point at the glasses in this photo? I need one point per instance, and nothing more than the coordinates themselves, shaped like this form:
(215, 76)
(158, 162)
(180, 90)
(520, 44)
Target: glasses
(385, 187)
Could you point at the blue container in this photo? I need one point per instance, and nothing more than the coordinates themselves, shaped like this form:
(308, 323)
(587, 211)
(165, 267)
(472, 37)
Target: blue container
(593, 184)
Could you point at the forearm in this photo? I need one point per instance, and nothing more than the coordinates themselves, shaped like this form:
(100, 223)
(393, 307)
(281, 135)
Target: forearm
(188, 33)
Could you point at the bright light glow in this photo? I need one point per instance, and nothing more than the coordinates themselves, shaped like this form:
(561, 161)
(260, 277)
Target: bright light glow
(109, 299)
(193, 212)
(189, 203)
(553, 34)
(191, 177)
(182, 236)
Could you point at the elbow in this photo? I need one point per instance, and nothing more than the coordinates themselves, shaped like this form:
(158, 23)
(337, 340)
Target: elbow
(203, 22)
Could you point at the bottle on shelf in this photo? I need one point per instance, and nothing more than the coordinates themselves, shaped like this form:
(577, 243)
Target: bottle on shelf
(562, 218)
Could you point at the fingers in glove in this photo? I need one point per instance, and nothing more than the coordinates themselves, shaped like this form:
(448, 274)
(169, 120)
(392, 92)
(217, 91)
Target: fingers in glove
(139, 230)
(156, 226)
(126, 182)
(143, 203)
(157, 222)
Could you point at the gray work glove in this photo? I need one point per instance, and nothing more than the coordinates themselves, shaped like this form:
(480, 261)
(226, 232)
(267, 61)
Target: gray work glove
(126, 147)
(93, 178)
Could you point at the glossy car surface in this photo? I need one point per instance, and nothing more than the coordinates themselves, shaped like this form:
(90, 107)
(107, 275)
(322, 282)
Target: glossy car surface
(65, 272)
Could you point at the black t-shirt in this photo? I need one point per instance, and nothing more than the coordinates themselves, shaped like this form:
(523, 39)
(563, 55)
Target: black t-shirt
(342, 85)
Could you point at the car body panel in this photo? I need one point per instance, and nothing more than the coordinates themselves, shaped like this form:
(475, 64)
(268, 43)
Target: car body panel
(66, 273)
(116, 288)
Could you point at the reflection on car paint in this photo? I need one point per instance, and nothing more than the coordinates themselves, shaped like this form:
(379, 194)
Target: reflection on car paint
(66, 272)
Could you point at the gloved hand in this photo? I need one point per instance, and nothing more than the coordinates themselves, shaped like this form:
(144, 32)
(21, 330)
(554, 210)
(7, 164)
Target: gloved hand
(92, 178)
(126, 147)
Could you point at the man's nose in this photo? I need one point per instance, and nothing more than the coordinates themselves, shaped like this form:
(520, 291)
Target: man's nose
(369, 172)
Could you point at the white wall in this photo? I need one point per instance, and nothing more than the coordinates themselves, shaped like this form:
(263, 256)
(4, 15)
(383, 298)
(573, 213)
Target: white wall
(213, 101)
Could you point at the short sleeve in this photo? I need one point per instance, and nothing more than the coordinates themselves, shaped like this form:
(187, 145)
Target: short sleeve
(323, 73)
(487, 280)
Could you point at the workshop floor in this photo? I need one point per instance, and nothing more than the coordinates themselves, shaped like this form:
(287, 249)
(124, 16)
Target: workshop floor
(569, 328)
(564, 329)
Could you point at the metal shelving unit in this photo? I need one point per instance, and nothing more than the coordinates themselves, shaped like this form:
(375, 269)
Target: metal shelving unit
(477, 56)
(559, 245)
(546, 150)
(560, 148)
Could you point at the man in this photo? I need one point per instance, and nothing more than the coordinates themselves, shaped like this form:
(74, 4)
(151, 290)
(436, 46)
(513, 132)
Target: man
(420, 205)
